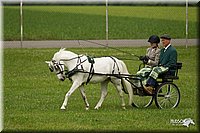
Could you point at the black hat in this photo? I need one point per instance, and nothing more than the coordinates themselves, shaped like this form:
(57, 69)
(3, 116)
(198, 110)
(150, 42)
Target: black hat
(166, 36)
(154, 39)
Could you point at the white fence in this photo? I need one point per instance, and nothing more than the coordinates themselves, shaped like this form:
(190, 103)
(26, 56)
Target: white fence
(102, 1)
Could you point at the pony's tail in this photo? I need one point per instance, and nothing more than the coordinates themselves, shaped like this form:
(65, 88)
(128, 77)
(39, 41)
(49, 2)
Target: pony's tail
(125, 84)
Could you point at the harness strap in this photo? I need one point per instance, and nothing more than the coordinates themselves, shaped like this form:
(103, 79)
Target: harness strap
(69, 74)
(72, 58)
(79, 62)
(91, 73)
(115, 63)
(90, 59)
(75, 70)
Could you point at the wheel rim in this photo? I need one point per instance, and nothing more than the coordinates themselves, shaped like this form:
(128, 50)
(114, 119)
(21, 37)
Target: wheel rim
(142, 101)
(167, 96)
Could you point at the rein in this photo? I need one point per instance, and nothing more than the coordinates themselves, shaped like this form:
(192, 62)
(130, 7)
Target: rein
(71, 58)
(112, 48)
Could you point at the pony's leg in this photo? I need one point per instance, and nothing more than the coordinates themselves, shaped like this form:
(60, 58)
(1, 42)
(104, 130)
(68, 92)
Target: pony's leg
(117, 84)
(84, 97)
(74, 86)
(130, 90)
(103, 93)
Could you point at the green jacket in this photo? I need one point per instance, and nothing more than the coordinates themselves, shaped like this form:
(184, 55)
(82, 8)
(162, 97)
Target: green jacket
(169, 57)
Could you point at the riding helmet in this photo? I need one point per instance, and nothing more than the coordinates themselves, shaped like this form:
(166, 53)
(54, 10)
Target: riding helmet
(154, 39)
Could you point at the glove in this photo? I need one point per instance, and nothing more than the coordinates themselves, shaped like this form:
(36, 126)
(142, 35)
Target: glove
(141, 58)
(145, 59)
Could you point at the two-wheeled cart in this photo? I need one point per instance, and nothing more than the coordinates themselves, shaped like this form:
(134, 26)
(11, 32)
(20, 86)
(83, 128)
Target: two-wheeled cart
(166, 93)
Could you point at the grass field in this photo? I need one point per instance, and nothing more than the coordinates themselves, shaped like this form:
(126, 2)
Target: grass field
(33, 96)
(88, 22)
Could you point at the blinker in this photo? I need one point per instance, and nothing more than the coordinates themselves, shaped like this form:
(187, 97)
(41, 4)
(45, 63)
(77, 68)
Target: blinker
(50, 69)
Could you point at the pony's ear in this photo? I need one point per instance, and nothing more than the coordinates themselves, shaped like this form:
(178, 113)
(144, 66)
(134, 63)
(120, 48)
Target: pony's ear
(61, 49)
(47, 62)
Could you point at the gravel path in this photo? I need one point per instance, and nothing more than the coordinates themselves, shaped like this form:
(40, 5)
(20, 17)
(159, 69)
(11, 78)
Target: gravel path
(89, 43)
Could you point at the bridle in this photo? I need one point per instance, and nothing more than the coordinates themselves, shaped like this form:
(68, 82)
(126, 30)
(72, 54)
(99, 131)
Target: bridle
(57, 66)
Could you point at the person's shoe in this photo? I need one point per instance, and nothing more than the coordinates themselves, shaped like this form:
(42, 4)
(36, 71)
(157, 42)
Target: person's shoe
(148, 89)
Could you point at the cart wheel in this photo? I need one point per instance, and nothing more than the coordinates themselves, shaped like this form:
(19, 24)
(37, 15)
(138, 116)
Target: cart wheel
(167, 96)
(142, 101)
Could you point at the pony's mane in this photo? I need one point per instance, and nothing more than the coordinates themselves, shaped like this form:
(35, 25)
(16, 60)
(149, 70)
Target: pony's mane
(62, 49)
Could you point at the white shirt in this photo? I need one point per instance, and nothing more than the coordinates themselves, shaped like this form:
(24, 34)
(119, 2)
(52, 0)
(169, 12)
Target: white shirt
(167, 47)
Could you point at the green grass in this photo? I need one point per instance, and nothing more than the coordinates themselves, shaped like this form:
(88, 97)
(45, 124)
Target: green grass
(88, 22)
(33, 96)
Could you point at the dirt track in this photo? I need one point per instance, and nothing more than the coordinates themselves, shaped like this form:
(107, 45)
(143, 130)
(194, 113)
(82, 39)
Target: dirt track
(81, 43)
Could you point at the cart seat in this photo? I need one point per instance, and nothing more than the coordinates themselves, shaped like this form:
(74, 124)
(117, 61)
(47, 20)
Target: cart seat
(172, 74)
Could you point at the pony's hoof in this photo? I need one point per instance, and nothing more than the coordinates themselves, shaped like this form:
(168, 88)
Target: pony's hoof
(87, 108)
(124, 108)
(96, 108)
(62, 108)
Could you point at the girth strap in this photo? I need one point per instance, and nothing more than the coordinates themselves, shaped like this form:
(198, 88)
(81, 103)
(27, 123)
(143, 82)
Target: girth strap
(91, 73)
(115, 64)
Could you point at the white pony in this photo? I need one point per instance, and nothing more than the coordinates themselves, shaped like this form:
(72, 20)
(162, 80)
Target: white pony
(83, 70)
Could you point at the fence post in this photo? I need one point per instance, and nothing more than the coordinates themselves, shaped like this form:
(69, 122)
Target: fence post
(107, 22)
(21, 23)
(186, 25)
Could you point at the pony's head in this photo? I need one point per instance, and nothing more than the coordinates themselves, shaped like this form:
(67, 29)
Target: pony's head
(56, 67)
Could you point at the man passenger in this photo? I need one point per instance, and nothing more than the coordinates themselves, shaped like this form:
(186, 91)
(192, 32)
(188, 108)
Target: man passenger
(168, 59)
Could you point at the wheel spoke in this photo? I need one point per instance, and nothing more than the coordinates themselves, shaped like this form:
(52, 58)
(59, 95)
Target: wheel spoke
(168, 96)
(142, 101)
(171, 102)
